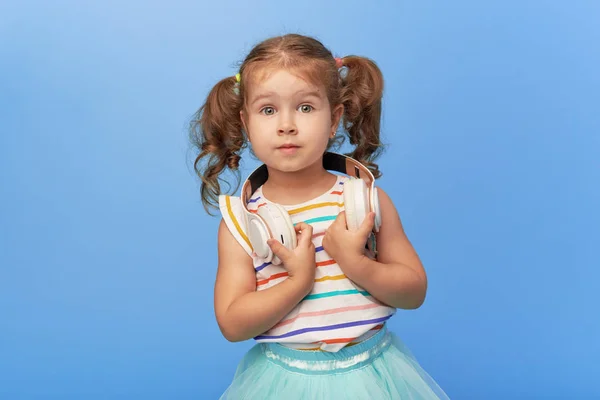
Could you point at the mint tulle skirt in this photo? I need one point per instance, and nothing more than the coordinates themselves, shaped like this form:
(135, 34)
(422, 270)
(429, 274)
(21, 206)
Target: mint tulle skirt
(379, 368)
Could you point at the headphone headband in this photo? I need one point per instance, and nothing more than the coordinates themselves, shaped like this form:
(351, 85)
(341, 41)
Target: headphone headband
(331, 162)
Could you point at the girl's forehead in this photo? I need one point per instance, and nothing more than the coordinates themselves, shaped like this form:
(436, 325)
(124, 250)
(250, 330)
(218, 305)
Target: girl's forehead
(282, 80)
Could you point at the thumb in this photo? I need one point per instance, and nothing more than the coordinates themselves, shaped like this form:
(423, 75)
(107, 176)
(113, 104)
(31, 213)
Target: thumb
(341, 219)
(279, 250)
(367, 226)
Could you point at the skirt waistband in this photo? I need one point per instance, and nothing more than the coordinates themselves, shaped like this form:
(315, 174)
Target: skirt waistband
(322, 362)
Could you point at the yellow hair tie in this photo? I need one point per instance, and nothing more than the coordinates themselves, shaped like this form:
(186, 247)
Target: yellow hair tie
(236, 87)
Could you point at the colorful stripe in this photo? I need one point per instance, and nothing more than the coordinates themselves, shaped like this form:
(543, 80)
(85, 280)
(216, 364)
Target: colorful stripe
(317, 249)
(259, 206)
(272, 277)
(331, 278)
(326, 328)
(352, 341)
(313, 206)
(340, 340)
(253, 200)
(327, 312)
(262, 266)
(377, 327)
(325, 263)
(311, 349)
(235, 221)
(284, 274)
(336, 293)
(319, 219)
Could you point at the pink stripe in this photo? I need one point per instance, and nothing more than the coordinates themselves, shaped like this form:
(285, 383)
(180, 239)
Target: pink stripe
(325, 312)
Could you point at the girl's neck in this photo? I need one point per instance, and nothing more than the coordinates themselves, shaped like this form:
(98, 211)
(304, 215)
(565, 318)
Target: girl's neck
(289, 188)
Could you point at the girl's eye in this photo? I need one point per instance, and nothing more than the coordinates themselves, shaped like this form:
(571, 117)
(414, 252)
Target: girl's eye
(305, 108)
(268, 111)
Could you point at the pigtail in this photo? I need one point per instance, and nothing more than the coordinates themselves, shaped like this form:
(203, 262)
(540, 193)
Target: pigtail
(216, 131)
(362, 92)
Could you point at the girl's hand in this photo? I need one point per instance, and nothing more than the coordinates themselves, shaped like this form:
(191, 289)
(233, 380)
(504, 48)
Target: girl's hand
(347, 247)
(300, 262)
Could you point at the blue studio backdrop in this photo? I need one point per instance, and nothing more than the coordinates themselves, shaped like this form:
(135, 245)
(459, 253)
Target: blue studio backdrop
(107, 259)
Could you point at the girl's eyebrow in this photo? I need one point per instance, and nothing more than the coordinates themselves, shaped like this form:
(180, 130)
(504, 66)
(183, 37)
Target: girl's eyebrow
(261, 96)
(301, 93)
(309, 93)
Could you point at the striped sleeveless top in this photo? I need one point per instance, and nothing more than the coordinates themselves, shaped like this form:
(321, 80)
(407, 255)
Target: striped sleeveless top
(337, 312)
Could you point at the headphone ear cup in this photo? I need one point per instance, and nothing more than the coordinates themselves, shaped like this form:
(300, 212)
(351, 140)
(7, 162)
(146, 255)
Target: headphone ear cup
(280, 227)
(356, 203)
(258, 234)
(377, 210)
(283, 230)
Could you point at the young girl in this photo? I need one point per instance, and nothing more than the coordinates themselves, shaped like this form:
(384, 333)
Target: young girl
(312, 264)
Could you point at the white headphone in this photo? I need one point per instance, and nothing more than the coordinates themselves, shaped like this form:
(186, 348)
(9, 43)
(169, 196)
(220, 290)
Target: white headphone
(273, 221)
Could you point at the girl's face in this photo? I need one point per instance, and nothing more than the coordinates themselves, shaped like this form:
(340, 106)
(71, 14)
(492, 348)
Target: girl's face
(288, 121)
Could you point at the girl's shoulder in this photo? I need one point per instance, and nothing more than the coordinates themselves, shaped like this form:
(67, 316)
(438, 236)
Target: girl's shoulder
(233, 215)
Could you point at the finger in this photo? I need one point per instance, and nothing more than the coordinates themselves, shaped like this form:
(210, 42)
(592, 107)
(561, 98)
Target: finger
(279, 250)
(367, 226)
(306, 232)
(339, 222)
(341, 219)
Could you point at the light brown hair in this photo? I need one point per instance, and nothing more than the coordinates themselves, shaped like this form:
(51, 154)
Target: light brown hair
(216, 129)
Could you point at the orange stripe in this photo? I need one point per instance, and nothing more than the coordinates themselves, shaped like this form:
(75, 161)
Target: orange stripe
(324, 263)
(341, 340)
(282, 274)
(275, 276)
(259, 206)
(344, 340)
(337, 192)
(375, 328)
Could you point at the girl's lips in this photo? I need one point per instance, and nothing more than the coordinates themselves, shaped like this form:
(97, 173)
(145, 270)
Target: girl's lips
(288, 149)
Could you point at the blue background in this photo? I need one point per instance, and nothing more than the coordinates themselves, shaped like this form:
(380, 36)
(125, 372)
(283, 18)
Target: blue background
(107, 259)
